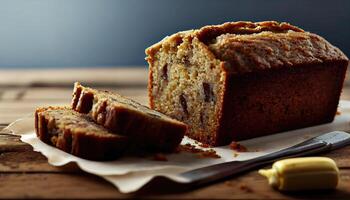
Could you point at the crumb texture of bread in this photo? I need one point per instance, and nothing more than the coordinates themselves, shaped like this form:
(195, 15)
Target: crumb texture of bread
(76, 134)
(146, 128)
(241, 80)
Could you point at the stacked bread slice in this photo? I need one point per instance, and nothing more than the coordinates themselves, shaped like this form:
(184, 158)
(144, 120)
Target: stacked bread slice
(101, 125)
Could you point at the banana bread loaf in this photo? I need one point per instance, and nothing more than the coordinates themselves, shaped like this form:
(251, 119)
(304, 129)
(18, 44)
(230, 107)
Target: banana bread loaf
(241, 80)
(76, 134)
(146, 128)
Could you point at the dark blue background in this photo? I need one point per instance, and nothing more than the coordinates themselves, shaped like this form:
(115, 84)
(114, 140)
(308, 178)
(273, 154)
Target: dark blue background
(68, 33)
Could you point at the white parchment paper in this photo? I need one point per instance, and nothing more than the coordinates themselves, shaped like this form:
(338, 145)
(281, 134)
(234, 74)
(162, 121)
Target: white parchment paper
(129, 174)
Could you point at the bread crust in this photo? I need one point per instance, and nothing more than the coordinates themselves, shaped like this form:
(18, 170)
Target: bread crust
(246, 47)
(268, 102)
(258, 56)
(72, 138)
(146, 128)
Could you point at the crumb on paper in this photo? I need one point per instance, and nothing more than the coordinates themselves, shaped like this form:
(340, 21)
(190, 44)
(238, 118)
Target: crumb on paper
(338, 112)
(245, 188)
(208, 153)
(211, 153)
(190, 148)
(235, 154)
(159, 157)
(204, 145)
(201, 144)
(237, 147)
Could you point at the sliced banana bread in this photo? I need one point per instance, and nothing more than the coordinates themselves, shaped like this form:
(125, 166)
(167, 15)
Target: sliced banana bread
(76, 134)
(146, 128)
(242, 80)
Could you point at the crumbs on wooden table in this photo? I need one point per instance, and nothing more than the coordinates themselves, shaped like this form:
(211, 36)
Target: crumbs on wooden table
(229, 183)
(245, 188)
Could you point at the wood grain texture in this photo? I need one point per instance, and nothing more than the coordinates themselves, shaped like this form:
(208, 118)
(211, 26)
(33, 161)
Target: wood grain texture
(85, 186)
(27, 174)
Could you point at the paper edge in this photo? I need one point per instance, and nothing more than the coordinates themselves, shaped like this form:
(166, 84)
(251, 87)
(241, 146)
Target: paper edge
(343, 104)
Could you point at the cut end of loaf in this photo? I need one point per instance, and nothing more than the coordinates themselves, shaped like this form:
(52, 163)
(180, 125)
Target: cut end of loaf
(186, 82)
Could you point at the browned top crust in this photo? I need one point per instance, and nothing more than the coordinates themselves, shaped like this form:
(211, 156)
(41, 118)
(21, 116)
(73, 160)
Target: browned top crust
(248, 47)
(247, 53)
(207, 33)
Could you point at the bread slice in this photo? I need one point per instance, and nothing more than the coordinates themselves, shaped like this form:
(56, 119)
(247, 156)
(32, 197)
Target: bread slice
(146, 128)
(76, 134)
(241, 80)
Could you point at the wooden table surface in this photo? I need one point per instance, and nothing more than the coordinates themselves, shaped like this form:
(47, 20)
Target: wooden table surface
(26, 174)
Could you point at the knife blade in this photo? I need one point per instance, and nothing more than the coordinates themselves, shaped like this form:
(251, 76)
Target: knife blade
(319, 144)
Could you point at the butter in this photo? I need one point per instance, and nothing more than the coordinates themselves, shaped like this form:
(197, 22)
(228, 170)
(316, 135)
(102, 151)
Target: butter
(309, 173)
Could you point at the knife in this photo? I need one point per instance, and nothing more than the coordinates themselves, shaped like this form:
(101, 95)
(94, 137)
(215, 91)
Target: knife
(319, 144)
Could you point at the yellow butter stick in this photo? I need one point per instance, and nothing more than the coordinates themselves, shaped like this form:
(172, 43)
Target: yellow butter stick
(309, 173)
